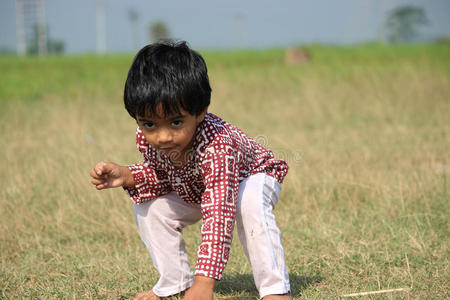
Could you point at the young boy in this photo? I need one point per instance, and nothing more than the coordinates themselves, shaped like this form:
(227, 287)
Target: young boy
(196, 166)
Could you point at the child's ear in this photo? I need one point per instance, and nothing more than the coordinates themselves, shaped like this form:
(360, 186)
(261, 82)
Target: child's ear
(201, 116)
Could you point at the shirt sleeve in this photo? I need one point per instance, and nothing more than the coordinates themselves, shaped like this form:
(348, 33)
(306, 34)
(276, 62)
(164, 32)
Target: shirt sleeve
(220, 175)
(149, 183)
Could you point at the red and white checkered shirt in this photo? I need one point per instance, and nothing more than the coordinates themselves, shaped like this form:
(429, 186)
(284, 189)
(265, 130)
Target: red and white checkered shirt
(222, 157)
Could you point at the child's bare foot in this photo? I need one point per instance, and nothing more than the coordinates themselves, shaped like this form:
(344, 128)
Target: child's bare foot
(278, 297)
(149, 295)
(146, 295)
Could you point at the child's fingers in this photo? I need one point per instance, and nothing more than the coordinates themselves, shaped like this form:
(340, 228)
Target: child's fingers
(96, 181)
(101, 186)
(93, 174)
(100, 168)
(100, 175)
(103, 168)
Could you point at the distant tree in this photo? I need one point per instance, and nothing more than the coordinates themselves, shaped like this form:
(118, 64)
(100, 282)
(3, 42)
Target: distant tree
(53, 46)
(402, 23)
(32, 43)
(133, 16)
(159, 30)
(443, 40)
(56, 46)
(6, 50)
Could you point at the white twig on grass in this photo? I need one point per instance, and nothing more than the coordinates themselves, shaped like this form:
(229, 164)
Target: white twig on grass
(409, 270)
(385, 291)
(375, 292)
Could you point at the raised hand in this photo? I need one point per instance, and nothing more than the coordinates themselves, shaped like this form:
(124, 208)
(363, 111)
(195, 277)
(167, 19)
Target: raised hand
(110, 175)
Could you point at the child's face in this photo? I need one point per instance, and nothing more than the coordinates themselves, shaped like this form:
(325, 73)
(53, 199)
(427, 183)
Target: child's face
(172, 135)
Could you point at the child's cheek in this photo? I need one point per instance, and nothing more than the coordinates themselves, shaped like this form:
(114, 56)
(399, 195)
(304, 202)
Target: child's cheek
(149, 139)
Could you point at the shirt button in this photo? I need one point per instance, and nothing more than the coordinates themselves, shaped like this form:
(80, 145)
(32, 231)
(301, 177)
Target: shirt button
(178, 179)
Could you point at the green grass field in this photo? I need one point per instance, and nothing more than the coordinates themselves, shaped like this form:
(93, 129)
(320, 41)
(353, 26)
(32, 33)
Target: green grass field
(365, 206)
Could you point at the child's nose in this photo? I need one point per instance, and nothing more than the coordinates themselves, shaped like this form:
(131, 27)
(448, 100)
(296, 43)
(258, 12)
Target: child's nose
(164, 136)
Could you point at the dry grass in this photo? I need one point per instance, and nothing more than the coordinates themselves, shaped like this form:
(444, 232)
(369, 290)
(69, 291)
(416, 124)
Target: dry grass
(364, 207)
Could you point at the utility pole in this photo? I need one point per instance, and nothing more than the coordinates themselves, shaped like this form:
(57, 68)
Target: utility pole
(381, 34)
(239, 30)
(42, 27)
(31, 27)
(100, 16)
(20, 28)
(133, 17)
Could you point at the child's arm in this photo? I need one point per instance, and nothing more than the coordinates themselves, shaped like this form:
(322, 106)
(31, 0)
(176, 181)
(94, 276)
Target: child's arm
(110, 175)
(202, 289)
(220, 173)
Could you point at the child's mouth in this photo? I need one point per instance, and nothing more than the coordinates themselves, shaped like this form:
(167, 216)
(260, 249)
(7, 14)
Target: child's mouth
(167, 150)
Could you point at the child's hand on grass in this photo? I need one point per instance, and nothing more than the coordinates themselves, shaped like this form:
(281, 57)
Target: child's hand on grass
(202, 289)
(110, 175)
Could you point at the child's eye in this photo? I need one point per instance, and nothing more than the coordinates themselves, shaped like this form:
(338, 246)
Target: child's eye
(177, 123)
(149, 125)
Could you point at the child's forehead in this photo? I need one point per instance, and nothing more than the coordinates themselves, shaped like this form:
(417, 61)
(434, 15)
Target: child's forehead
(159, 113)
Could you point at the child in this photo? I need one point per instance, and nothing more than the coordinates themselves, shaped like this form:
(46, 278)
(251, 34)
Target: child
(196, 166)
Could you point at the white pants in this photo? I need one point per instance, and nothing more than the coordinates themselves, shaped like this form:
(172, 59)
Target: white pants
(161, 220)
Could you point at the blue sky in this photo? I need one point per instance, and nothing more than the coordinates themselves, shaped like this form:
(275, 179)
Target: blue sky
(223, 24)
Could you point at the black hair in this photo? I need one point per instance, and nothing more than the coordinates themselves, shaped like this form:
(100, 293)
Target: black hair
(169, 74)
